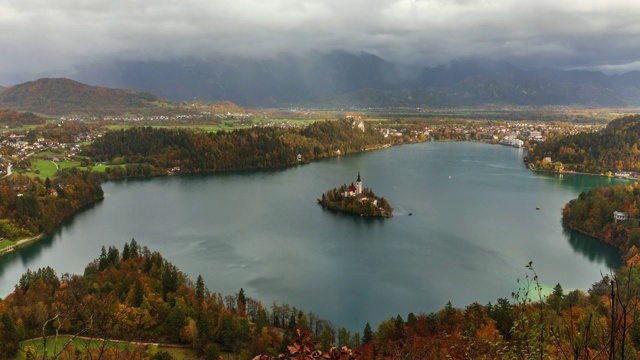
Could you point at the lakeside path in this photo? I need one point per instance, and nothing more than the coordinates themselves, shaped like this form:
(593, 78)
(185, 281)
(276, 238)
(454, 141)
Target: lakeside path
(18, 243)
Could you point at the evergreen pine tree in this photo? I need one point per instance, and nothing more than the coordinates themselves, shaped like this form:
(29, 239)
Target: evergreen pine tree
(242, 301)
(138, 294)
(199, 289)
(367, 334)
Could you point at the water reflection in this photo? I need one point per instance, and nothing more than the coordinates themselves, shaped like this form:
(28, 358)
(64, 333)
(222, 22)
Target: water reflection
(26, 253)
(350, 218)
(580, 181)
(593, 249)
(30, 252)
(473, 226)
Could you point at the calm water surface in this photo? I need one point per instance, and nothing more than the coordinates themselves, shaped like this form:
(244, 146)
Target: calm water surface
(474, 226)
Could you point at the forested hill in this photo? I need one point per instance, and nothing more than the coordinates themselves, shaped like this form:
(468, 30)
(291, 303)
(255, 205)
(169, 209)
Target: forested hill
(64, 96)
(135, 295)
(613, 149)
(13, 118)
(31, 206)
(592, 214)
(244, 149)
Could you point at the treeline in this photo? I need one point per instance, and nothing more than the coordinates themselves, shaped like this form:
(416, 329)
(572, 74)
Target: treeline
(592, 214)
(14, 119)
(31, 206)
(613, 149)
(244, 149)
(137, 295)
(599, 324)
(367, 205)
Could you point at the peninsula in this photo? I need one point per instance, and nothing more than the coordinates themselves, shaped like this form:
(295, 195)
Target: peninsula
(357, 200)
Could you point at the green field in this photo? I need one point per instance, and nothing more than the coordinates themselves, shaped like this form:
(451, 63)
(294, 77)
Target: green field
(48, 153)
(68, 164)
(98, 168)
(19, 129)
(4, 243)
(78, 344)
(42, 168)
(82, 344)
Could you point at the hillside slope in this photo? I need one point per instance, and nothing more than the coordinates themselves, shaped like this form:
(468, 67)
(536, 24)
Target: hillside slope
(613, 149)
(64, 96)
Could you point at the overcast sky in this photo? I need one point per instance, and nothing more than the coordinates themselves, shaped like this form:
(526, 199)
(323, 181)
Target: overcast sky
(53, 36)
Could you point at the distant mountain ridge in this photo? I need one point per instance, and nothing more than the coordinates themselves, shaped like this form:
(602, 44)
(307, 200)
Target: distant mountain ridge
(339, 79)
(65, 96)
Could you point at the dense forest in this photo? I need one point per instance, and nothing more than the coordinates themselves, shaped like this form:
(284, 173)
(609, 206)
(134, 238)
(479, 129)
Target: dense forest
(30, 206)
(592, 214)
(137, 295)
(244, 149)
(613, 149)
(366, 205)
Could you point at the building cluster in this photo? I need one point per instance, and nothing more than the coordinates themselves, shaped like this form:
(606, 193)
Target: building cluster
(386, 132)
(355, 191)
(19, 142)
(512, 133)
(24, 148)
(278, 124)
(169, 118)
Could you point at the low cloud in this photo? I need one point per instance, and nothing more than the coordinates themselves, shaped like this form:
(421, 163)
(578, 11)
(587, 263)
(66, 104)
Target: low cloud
(48, 36)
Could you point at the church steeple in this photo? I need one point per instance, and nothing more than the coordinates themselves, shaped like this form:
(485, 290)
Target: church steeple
(358, 185)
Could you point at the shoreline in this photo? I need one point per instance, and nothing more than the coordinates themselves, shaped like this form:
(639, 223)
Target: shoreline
(18, 244)
(573, 172)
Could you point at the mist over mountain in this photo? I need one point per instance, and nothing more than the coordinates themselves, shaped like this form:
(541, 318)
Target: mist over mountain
(339, 79)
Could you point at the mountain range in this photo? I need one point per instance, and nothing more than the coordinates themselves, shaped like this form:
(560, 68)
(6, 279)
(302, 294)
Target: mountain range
(341, 79)
(332, 80)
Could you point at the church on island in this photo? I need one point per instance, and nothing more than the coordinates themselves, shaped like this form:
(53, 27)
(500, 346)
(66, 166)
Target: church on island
(352, 190)
(356, 199)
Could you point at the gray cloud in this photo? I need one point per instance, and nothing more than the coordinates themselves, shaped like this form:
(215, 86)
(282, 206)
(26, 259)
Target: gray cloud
(44, 36)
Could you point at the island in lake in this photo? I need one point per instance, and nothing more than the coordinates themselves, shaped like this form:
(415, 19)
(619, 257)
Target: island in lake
(357, 200)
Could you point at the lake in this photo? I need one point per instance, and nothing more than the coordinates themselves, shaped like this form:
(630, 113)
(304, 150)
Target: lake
(468, 218)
